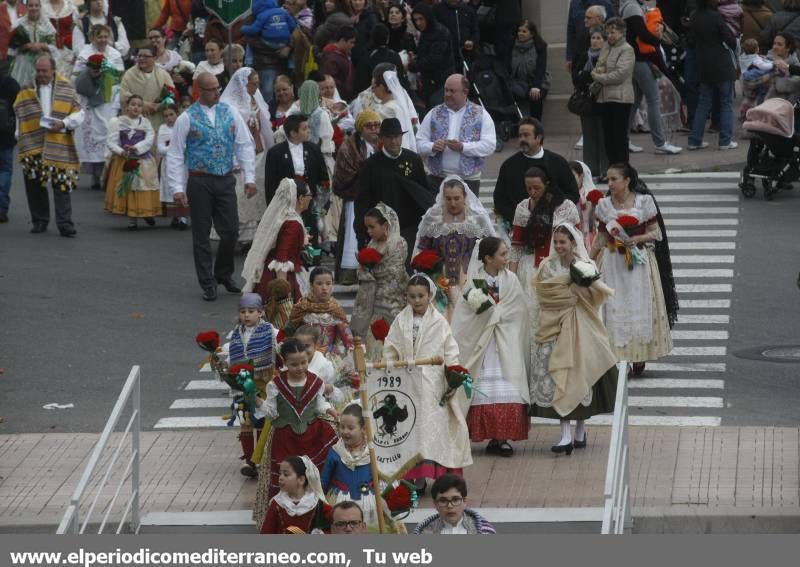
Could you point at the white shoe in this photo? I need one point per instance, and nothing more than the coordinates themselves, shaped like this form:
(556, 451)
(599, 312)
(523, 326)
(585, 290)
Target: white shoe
(634, 149)
(668, 148)
(732, 146)
(579, 144)
(702, 145)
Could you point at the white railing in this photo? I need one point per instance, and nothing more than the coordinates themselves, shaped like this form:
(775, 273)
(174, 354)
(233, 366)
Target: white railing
(616, 495)
(71, 522)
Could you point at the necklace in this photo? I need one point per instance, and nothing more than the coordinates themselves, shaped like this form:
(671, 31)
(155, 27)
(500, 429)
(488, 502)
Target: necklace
(621, 204)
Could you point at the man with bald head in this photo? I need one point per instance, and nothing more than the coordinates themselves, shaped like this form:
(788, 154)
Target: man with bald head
(204, 141)
(456, 136)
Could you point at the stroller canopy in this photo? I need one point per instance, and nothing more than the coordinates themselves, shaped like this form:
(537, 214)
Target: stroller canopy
(773, 116)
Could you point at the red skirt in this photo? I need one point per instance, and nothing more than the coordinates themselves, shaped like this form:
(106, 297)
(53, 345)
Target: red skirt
(315, 443)
(504, 422)
(268, 275)
(430, 469)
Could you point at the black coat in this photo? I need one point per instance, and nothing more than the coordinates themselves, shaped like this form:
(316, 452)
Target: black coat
(9, 88)
(379, 55)
(707, 33)
(279, 166)
(462, 23)
(435, 61)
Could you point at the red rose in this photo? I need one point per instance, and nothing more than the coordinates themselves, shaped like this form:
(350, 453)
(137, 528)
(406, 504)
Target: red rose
(457, 368)
(130, 165)
(380, 329)
(327, 512)
(399, 499)
(627, 221)
(369, 257)
(208, 340)
(426, 261)
(355, 381)
(281, 336)
(237, 369)
(96, 60)
(594, 196)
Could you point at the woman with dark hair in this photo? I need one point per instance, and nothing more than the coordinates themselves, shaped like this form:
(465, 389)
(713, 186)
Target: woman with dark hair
(167, 59)
(363, 20)
(636, 264)
(783, 55)
(282, 101)
(337, 15)
(786, 20)
(213, 64)
(399, 37)
(530, 80)
(381, 53)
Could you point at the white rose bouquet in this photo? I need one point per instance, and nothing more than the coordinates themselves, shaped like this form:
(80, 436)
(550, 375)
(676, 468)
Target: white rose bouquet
(583, 272)
(478, 296)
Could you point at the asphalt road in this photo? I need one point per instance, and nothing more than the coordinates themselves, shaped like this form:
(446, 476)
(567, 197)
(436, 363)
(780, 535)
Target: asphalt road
(76, 314)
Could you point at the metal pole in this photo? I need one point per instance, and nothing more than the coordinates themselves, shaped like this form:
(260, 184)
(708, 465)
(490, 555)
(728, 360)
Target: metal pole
(135, 445)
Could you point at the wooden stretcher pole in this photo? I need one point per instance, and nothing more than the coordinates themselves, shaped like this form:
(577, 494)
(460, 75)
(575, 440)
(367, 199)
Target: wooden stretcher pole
(361, 367)
(432, 361)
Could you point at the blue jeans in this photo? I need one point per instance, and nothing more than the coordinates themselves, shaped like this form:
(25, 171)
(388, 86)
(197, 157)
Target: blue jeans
(6, 168)
(691, 85)
(707, 91)
(267, 79)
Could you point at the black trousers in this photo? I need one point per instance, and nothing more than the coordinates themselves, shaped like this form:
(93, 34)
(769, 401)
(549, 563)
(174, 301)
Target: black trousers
(436, 181)
(39, 204)
(213, 199)
(615, 116)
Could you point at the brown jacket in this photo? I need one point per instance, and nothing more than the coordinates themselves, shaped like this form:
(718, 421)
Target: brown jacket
(755, 20)
(614, 73)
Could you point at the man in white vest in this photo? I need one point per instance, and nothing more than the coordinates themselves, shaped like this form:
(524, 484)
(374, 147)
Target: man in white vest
(456, 137)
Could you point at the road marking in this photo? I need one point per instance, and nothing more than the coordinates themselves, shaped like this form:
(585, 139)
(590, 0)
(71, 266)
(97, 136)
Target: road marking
(678, 186)
(674, 402)
(667, 383)
(196, 403)
(693, 175)
(703, 304)
(685, 367)
(701, 245)
(702, 273)
(206, 367)
(703, 259)
(679, 233)
(207, 385)
(705, 288)
(669, 221)
(191, 422)
(696, 198)
(646, 420)
(703, 319)
(698, 351)
(700, 335)
(699, 210)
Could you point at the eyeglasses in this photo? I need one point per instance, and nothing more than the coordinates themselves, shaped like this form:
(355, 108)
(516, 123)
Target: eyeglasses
(352, 524)
(372, 125)
(453, 502)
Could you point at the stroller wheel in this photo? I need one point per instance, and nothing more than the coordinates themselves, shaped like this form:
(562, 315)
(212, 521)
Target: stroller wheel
(748, 189)
(769, 189)
(500, 144)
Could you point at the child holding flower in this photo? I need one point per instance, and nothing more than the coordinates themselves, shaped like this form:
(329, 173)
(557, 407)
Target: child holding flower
(299, 507)
(420, 331)
(131, 180)
(382, 284)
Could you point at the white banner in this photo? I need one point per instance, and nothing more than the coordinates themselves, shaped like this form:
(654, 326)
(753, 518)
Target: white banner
(392, 396)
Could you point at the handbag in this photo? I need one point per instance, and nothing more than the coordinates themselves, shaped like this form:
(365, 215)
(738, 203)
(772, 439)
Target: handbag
(581, 101)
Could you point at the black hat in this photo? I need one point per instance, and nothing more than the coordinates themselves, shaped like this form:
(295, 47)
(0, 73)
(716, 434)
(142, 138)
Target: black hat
(391, 127)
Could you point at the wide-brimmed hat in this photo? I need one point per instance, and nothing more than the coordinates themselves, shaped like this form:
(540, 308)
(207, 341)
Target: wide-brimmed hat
(391, 127)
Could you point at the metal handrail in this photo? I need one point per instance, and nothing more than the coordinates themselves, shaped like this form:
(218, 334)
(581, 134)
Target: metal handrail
(616, 494)
(71, 521)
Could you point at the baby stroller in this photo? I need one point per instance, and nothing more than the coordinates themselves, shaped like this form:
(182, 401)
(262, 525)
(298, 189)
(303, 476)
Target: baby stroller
(774, 154)
(492, 85)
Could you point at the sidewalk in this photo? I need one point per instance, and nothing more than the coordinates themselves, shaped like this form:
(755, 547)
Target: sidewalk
(675, 472)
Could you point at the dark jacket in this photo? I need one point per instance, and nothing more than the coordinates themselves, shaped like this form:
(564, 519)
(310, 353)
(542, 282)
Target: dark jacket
(337, 64)
(326, 31)
(707, 33)
(575, 25)
(9, 88)
(279, 166)
(434, 60)
(379, 55)
(462, 23)
(366, 21)
(783, 21)
(400, 39)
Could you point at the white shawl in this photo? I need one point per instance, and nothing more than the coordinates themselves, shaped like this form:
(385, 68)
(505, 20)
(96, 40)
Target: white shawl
(236, 95)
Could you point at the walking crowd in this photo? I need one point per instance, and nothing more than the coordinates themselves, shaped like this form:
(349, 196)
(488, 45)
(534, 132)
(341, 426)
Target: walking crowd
(338, 142)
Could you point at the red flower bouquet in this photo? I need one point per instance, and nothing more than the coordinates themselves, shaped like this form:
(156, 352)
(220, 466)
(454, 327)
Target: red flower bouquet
(627, 221)
(427, 261)
(130, 165)
(95, 60)
(355, 381)
(237, 369)
(208, 340)
(457, 376)
(400, 497)
(594, 196)
(369, 257)
(169, 95)
(281, 336)
(380, 329)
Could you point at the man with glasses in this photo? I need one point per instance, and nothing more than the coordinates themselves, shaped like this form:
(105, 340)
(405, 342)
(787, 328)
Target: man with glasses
(205, 140)
(148, 81)
(449, 494)
(348, 519)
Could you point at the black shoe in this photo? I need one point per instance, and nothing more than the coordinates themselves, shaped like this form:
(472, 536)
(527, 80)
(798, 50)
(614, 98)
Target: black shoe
(230, 285)
(183, 225)
(67, 231)
(504, 449)
(210, 293)
(38, 227)
(150, 221)
(133, 226)
(249, 470)
(3, 216)
(493, 447)
(580, 444)
(175, 223)
(563, 448)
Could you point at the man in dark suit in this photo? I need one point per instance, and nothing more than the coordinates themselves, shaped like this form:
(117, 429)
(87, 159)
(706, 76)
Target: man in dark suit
(299, 158)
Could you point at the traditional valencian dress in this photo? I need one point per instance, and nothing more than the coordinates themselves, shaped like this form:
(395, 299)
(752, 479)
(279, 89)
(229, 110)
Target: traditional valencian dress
(496, 347)
(64, 20)
(297, 429)
(444, 438)
(132, 188)
(453, 239)
(329, 317)
(310, 514)
(638, 318)
(27, 31)
(382, 289)
(574, 373)
(347, 476)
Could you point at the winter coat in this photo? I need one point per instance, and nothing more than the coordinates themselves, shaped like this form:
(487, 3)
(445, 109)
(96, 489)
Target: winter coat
(707, 34)
(615, 73)
(783, 21)
(326, 31)
(366, 21)
(434, 60)
(273, 24)
(461, 21)
(575, 25)
(756, 17)
(732, 14)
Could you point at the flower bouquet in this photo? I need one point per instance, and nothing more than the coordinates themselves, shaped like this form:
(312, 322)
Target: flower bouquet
(240, 378)
(457, 377)
(633, 255)
(369, 257)
(478, 297)
(209, 342)
(130, 174)
(169, 95)
(380, 329)
(594, 196)
(428, 262)
(583, 273)
(400, 498)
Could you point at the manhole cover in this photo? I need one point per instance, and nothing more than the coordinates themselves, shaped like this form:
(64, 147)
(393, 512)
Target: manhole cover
(772, 353)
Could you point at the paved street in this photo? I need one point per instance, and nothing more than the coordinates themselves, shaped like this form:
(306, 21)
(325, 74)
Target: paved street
(76, 314)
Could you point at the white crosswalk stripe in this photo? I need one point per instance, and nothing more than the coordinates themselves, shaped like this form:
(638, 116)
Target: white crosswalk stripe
(687, 387)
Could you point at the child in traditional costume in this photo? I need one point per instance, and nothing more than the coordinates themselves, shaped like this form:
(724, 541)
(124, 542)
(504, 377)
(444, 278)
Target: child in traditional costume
(171, 209)
(574, 373)
(491, 326)
(299, 507)
(382, 284)
(252, 341)
(295, 403)
(319, 365)
(450, 228)
(320, 309)
(420, 331)
(131, 177)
